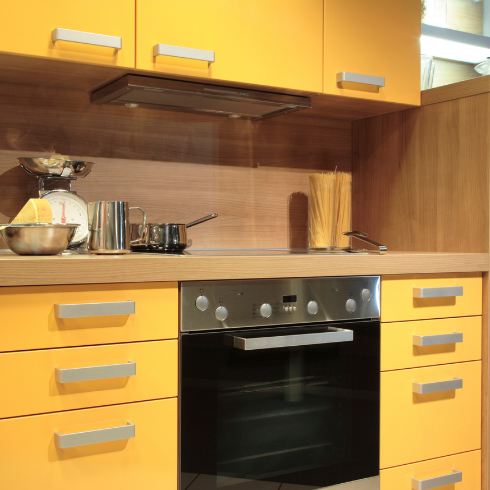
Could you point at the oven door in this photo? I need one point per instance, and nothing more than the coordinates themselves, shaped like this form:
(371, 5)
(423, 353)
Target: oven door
(289, 408)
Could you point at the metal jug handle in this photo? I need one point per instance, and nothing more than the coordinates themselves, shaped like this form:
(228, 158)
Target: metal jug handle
(141, 227)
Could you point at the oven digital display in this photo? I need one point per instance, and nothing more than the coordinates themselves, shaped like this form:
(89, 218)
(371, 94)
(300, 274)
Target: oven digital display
(290, 299)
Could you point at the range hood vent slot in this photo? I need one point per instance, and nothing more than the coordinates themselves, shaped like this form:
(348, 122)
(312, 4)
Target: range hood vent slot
(192, 96)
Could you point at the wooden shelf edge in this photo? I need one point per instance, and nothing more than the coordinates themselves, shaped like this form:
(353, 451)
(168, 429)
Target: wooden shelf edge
(35, 271)
(454, 91)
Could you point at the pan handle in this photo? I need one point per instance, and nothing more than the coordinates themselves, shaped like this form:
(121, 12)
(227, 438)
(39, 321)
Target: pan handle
(201, 220)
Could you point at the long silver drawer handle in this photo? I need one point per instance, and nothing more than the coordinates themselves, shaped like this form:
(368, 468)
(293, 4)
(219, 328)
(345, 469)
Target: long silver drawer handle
(75, 439)
(425, 388)
(334, 335)
(87, 38)
(439, 481)
(444, 292)
(346, 76)
(94, 309)
(181, 52)
(445, 338)
(95, 372)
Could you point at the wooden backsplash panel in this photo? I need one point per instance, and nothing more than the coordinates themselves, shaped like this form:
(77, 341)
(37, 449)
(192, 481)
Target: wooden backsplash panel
(178, 166)
(421, 177)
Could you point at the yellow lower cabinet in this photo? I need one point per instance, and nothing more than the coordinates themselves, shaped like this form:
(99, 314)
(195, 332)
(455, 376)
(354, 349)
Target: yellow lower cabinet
(63, 379)
(60, 451)
(428, 296)
(430, 412)
(462, 469)
(41, 317)
(429, 342)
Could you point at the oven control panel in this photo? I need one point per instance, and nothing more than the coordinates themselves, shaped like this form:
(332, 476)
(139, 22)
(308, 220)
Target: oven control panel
(211, 305)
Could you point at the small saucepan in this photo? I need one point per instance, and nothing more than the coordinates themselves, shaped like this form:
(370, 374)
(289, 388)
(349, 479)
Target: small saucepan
(163, 237)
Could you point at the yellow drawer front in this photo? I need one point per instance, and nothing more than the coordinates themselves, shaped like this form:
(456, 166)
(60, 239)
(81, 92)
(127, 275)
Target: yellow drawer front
(29, 320)
(380, 39)
(415, 427)
(398, 302)
(42, 381)
(28, 26)
(408, 344)
(277, 43)
(469, 464)
(30, 458)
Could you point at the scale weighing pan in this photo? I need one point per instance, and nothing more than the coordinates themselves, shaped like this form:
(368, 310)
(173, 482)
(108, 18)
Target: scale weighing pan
(53, 168)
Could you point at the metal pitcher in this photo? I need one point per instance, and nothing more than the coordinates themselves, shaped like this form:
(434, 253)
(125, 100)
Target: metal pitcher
(109, 227)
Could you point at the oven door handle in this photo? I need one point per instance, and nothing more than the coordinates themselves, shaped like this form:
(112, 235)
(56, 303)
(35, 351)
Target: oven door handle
(333, 335)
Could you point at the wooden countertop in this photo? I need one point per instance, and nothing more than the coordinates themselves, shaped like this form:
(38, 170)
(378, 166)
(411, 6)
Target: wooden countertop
(18, 270)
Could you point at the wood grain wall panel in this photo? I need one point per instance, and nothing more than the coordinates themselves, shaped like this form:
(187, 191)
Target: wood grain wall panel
(178, 166)
(421, 177)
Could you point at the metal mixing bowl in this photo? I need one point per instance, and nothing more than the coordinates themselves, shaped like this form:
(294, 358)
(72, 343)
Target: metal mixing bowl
(38, 238)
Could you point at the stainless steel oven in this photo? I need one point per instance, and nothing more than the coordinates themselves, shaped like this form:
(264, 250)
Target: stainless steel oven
(280, 384)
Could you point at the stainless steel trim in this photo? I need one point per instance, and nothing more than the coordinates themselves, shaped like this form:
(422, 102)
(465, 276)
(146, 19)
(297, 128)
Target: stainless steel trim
(345, 76)
(442, 292)
(455, 36)
(181, 52)
(87, 38)
(439, 481)
(330, 336)
(94, 309)
(95, 372)
(75, 439)
(425, 388)
(445, 338)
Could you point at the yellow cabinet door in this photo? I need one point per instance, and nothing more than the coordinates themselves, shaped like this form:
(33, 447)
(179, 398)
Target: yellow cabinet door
(462, 469)
(276, 43)
(52, 380)
(32, 456)
(30, 319)
(427, 296)
(104, 31)
(430, 342)
(445, 420)
(380, 39)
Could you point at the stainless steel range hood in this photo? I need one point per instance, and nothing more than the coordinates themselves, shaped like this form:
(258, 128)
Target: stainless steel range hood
(191, 96)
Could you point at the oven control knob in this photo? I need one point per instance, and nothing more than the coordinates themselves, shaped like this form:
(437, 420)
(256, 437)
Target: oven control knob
(350, 305)
(202, 303)
(312, 307)
(266, 310)
(366, 294)
(221, 313)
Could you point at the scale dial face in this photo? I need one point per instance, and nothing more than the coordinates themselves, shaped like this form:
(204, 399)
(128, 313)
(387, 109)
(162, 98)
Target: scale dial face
(69, 208)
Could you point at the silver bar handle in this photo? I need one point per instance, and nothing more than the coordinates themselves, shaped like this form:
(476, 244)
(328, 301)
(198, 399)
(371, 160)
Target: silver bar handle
(181, 52)
(76, 439)
(425, 388)
(361, 235)
(442, 292)
(332, 336)
(439, 481)
(346, 76)
(94, 309)
(73, 375)
(87, 38)
(445, 338)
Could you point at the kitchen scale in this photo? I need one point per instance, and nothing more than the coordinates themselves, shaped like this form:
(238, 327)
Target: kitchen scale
(67, 205)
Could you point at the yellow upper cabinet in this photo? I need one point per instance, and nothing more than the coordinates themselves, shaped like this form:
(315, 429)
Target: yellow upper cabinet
(87, 31)
(373, 39)
(274, 42)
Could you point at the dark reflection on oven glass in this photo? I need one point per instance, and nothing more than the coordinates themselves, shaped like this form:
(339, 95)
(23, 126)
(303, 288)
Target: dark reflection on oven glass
(303, 417)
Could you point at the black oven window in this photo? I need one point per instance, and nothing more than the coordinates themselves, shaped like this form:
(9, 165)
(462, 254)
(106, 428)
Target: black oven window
(294, 418)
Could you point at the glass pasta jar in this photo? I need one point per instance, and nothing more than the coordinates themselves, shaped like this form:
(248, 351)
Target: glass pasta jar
(329, 211)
